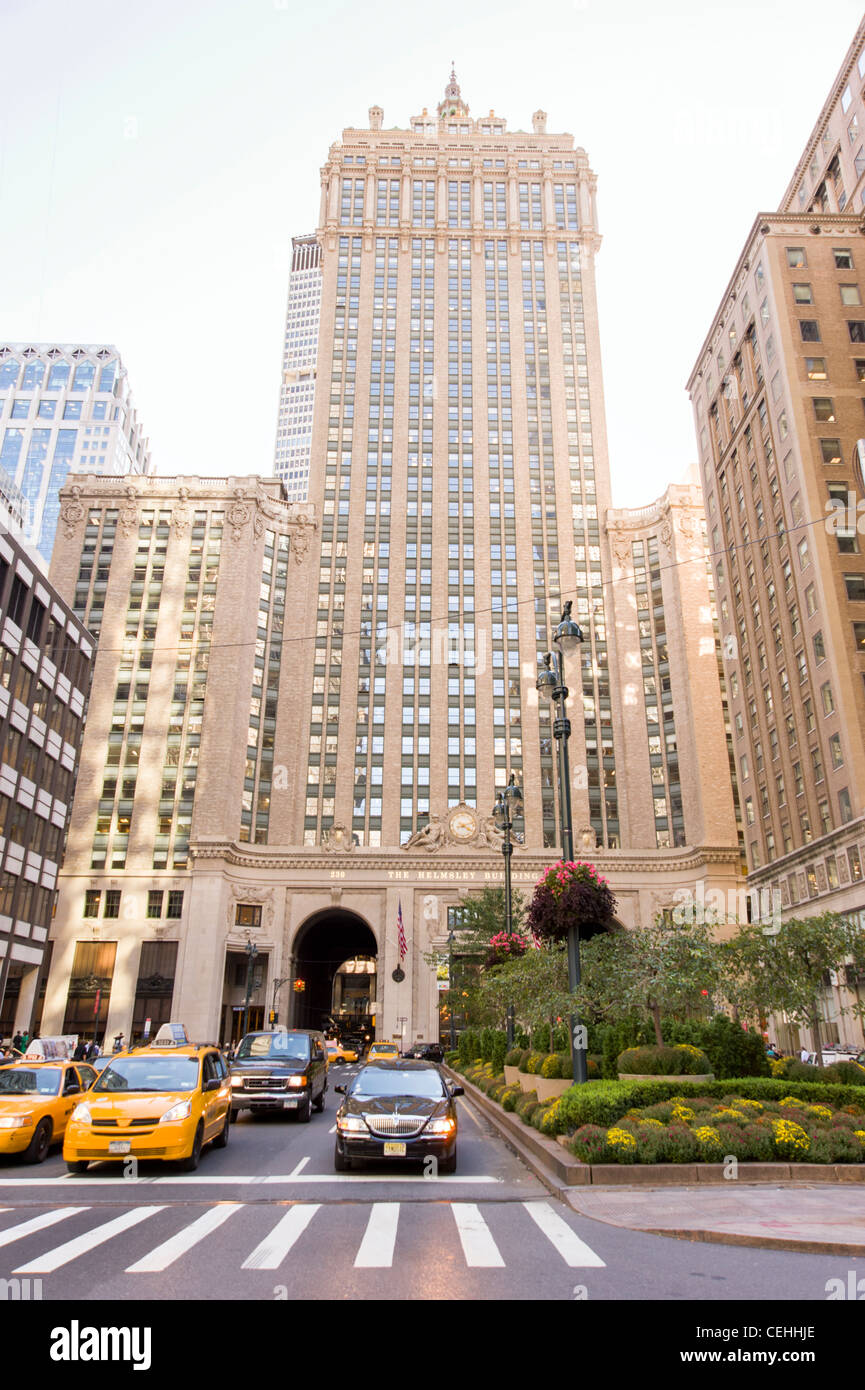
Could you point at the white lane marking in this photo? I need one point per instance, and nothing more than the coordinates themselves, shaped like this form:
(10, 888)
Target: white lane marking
(573, 1251)
(376, 1248)
(332, 1129)
(302, 1164)
(37, 1223)
(171, 1250)
(274, 1248)
(191, 1180)
(469, 1111)
(62, 1254)
(479, 1248)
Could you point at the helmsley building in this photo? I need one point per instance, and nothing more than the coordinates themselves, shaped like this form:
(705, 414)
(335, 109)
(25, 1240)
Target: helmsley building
(301, 712)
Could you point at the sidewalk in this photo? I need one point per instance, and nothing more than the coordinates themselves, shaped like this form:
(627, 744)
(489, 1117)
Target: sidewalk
(827, 1220)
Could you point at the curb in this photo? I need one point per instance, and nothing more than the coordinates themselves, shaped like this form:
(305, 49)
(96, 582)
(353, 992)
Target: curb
(561, 1173)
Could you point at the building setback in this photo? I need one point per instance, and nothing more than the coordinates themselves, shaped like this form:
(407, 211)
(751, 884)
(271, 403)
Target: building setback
(63, 409)
(349, 738)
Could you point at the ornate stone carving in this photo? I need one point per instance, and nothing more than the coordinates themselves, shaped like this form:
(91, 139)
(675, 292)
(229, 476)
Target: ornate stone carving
(72, 511)
(587, 839)
(129, 511)
(301, 535)
(181, 518)
(238, 514)
(665, 535)
(462, 826)
(621, 546)
(429, 837)
(338, 839)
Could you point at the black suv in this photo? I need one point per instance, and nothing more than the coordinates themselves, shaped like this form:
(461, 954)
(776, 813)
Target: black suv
(280, 1070)
(427, 1052)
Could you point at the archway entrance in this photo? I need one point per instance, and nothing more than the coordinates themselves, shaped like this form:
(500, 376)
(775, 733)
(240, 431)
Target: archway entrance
(324, 944)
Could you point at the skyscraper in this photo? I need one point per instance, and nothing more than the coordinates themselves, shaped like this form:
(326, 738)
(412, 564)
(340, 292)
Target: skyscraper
(63, 408)
(300, 348)
(778, 391)
(328, 760)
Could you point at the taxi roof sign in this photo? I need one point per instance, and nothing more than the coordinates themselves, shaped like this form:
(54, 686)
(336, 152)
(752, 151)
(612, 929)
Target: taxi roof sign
(171, 1035)
(51, 1049)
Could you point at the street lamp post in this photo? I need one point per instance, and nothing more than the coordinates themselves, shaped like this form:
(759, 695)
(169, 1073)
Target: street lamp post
(551, 686)
(277, 986)
(507, 802)
(451, 985)
(251, 953)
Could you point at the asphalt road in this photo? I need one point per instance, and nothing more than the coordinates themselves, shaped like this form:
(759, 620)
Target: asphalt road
(268, 1218)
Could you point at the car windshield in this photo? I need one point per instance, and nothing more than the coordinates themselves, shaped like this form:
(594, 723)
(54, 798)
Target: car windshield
(289, 1047)
(31, 1081)
(375, 1083)
(149, 1074)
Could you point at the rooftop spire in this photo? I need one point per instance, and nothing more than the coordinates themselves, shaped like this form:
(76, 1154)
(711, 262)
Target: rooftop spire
(453, 104)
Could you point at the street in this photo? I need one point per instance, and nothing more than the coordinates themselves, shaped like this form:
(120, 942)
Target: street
(269, 1219)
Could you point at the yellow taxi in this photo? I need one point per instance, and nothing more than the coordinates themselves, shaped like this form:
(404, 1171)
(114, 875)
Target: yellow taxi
(37, 1098)
(163, 1100)
(338, 1052)
(383, 1052)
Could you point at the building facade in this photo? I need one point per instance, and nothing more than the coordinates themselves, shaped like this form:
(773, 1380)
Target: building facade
(300, 350)
(46, 656)
(778, 392)
(63, 409)
(459, 486)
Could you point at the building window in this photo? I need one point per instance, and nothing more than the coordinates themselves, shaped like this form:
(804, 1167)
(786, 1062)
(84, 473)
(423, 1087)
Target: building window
(175, 905)
(112, 903)
(154, 902)
(810, 331)
(843, 258)
(248, 915)
(92, 897)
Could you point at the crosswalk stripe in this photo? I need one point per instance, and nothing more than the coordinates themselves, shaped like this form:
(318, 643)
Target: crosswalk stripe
(171, 1250)
(479, 1248)
(274, 1248)
(62, 1254)
(573, 1251)
(376, 1248)
(37, 1223)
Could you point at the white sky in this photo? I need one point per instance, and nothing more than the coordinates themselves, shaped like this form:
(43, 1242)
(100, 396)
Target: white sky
(155, 160)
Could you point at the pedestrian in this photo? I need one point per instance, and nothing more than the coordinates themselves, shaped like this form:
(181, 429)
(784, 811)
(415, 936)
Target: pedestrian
(80, 1053)
(93, 1051)
(804, 1055)
(25, 1039)
(18, 1043)
(118, 1043)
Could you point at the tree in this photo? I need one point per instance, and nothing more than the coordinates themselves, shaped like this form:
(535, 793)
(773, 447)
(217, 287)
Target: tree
(481, 916)
(535, 984)
(782, 970)
(659, 970)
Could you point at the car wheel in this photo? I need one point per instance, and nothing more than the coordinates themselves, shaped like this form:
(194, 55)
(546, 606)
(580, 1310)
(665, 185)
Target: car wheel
(37, 1149)
(190, 1163)
(78, 1165)
(234, 1116)
(341, 1163)
(221, 1140)
(305, 1112)
(319, 1104)
(449, 1164)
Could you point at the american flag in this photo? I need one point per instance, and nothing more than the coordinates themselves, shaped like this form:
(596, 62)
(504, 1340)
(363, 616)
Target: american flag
(400, 933)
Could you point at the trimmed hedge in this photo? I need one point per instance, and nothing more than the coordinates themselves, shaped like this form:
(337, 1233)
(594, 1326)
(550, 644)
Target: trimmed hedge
(605, 1102)
(680, 1059)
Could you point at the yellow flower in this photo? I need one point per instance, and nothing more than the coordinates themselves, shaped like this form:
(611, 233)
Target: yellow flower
(655, 1124)
(742, 1104)
(789, 1135)
(683, 1112)
(705, 1134)
(820, 1112)
(620, 1138)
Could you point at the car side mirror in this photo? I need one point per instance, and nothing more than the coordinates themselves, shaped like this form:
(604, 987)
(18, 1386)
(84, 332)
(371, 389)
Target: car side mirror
(456, 1090)
(340, 1090)
(212, 1085)
(72, 1090)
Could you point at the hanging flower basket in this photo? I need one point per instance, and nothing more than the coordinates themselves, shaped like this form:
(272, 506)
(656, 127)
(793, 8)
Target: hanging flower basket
(505, 946)
(569, 893)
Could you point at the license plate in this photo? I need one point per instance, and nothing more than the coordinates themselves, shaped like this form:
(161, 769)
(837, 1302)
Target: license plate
(290, 1104)
(119, 1146)
(394, 1150)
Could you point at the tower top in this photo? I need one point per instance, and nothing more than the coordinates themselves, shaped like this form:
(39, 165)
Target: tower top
(453, 104)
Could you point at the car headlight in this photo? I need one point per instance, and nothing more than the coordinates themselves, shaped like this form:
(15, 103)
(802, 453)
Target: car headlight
(350, 1124)
(297, 1081)
(443, 1126)
(15, 1121)
(81, 1114)
(181, 1111)
(237, 1080)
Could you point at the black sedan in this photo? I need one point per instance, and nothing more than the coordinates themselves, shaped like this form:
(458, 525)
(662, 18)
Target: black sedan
(397, 1110)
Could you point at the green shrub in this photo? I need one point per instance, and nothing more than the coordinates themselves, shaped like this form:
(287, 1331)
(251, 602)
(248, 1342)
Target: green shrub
(452, 1057)
(847, 1073)
(527, 1102)
(560, 1037)
(615, 1037)
(836, 1146)
(514, 1057)
(551, 1067)
(566, 1065)
(541, 1039)
(680, 1059)
(521, 1038)
(531, 1063)
(498, 1050)
(589, 1143)
(605, 1102)
(510, 1096)
(678, 1145)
